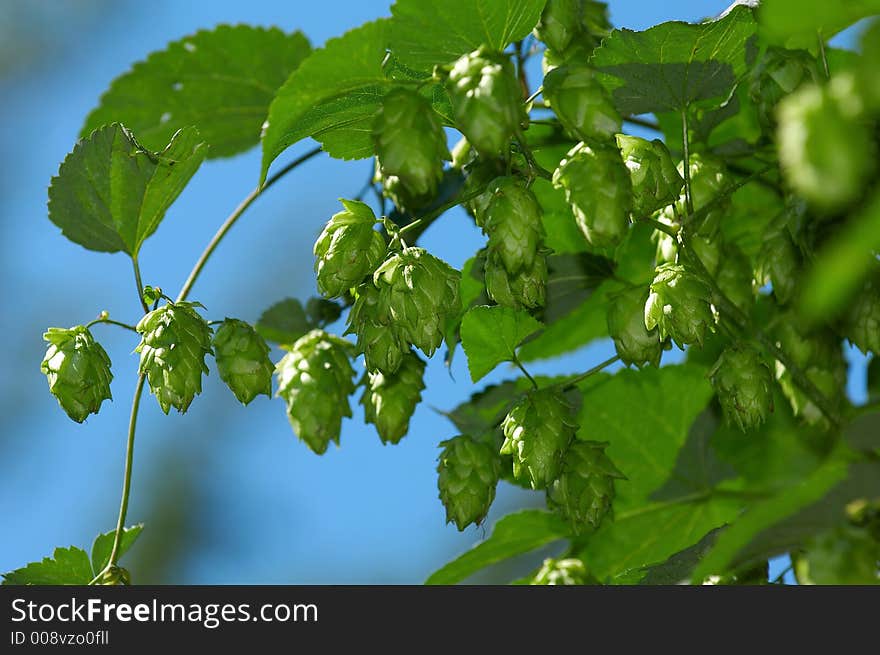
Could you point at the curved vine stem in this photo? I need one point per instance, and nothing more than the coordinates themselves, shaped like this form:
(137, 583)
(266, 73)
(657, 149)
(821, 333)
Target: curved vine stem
(139, 282)
(573, 382)
(110, 321)
(522, 368)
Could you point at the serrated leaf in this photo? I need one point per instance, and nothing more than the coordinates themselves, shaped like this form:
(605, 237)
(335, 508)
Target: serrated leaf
(490, 335)
(679, 567)
(110, 193)
(425, 33)
(513, 535)
(221, 81)
(673, 65)
(284, 322)
(103, 546)
(797, 23)
(67, 566)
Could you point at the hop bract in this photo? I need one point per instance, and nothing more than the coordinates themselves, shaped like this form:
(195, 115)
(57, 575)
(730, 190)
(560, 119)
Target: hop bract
(78, 371)
(581, 103)
(410, 145)
(174, 342)
(527, 288)
(597, 187)
(678, 305)
(635, 344)
(572, 29)
(315, 379)
(389, 400)
(513, 222)
(744, 385)
(487, 102)
(537, 430)
(348, 249)
(655, 180)
(379, 338)
(243, 360)
(468, 473)
(568, 571)
(584, 491)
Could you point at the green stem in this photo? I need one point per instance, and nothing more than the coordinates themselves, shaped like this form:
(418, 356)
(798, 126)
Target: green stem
(778, 579)
(689, 202)
(642, 122)
(822, 55)
(522, 368)
(111, 322)
(535, 167)
(572, 383)
(139, 282)
(537, 92)
(657, 225)
(233, 218)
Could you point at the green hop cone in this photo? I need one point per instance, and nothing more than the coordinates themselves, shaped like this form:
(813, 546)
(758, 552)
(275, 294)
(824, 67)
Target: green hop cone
(487, 101)
(537, 431)
(581, 103)
(735, 278)
(382, 342)
(572, 29)
(513, 222)
(678, 304)
(778, 264)
(744, 385)
(862, 322)
(568, 571)
(468, 472)
(78, 371)
(524, 289)
(174, 342)
(708, 179)
(410, 145)
(655, 180)
(598, 189)
(115, 575)
(635, 344)
(560, 23)
(390, 400)
(584, 490)
(348, 249)
(825, 147)
(243, 360)
(779, 73)
(315, 380)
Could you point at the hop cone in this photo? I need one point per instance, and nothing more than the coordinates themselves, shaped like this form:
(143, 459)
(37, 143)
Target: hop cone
(410, 145)
(581, 103)
(597, 186)
(778, 264)
(174, 342)
(467, 475)
(379, 338)
(779, 73)
(734, 278)
(513, 223)
(572, 29)
(78, 370)
(862, 323)
(678, 304)
(560, 23)
(585, 489)
(315, 379)
(243, 360)
(708, 179)
(744, 386)
(626, 324)
(569, 571)
(526, 288)
(348, 249)
(390, 400)
(655, 180)
(486, 100)
(537, 430)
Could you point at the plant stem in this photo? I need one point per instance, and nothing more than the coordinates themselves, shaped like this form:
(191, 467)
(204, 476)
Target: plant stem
(778, 579)
(139, 283)
(657, 225)
(571, 384)
(535, 167)
(822, 55)
(233, 218)
(641, 122)
(522, 368)
(537, 92)
(689, 202)
(111, 322)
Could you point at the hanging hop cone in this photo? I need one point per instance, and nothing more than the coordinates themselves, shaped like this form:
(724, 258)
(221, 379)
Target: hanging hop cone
(243, 360)
(410, 145)
(78, 371)
(572, 29)
(315, 379)
(537, 431)
(468, 473)
(744, 385)
(584, 491)
(635, 344)
(678, 304)
(560, 23)
(174, 342)
(778, 264)
(524, 289)
(487, 102)
(598, 189)
(379, 338)
(390, 400)
(581, 103)
(568, 571)
(348, 249)
(656, 182)
(513, 222)
(862, 322)
(708, 179)
(735, 278)
(779, 73)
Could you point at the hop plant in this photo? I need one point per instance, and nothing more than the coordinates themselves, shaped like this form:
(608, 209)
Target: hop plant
(390, 400)
(655, 180)
(526, 288)
(78, 371)
(513, 222)
(468, 472)
(174, 342)
(348, 249)
(243, 360)
(778, 264)
(779, 73)
(115, 575)
(572, 29)
(486, 100)
(410, 146)
(734, 278)
(568, 571)
(584, 490)
(382, 342)
(581, 103)
(598, 189)
(635, 344)
(537, 431)
(744, 385)
(315, 380)
(560, 23)
(842, 556)
(862, 322)
(709, 179)
(678, 305)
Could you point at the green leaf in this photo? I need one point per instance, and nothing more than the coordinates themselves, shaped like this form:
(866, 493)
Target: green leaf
(513, 535)
(332, 97)
(679, 567)
(874, 379)
(490, 336)
(110, 193)
(425, 33)
(103, 546)
(673, 65)
(67, 566)
(220, 81)
(284, 322)
(797, 23)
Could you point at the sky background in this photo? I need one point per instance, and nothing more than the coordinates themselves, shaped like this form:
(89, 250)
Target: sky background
(228, 494)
